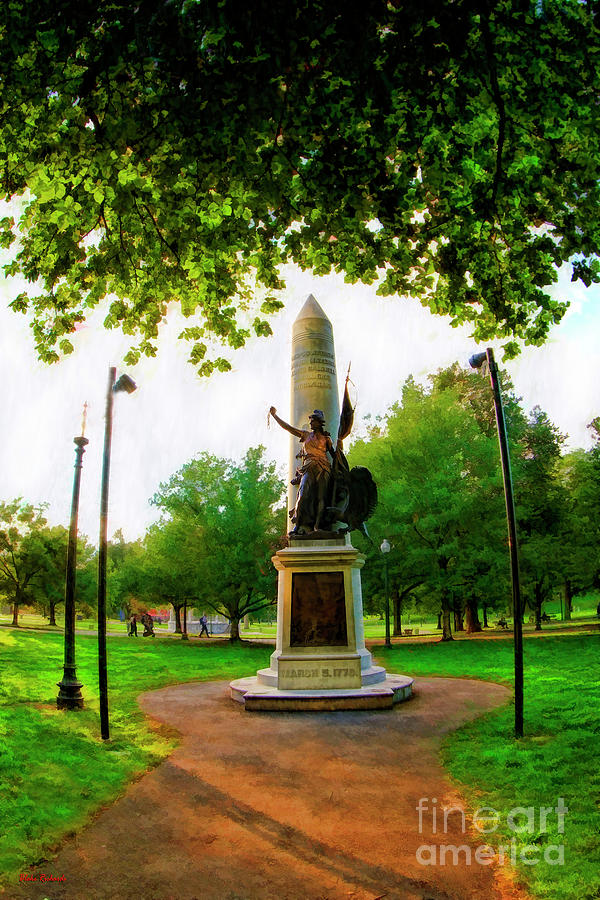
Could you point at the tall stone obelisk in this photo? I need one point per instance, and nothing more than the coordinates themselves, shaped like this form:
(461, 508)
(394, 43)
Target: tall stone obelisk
(314, 379)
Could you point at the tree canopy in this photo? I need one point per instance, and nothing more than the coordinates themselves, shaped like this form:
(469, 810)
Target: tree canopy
(436, 462)
(440, 495)
(182, 151)
(23, 551)
(222, 523)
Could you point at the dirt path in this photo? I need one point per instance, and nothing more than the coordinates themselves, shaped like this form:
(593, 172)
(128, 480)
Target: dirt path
(284, 806)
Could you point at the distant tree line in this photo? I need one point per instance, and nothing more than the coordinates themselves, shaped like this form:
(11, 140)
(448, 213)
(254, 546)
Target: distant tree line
(435, 459)
(220, 524)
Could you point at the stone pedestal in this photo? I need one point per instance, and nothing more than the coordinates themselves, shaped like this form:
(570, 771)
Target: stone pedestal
(320, 637)
(320, 660)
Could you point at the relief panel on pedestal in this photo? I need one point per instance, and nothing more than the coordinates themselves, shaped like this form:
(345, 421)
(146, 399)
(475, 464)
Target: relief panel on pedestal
(318, 610)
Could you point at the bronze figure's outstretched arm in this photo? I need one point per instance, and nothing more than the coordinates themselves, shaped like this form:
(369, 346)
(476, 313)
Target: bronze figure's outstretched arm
(285, 425)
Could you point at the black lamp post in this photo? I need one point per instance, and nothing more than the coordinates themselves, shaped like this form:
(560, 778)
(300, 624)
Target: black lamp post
(385, 549)
(476, 362)
(69, 694)
(125, 383)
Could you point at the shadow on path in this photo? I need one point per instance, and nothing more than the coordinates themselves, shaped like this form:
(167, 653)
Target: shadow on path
(285, 806)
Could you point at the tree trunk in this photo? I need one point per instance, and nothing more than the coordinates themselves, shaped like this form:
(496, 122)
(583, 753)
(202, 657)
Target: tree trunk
(485, 621)
(446, 629)
(15, 620)
(234, 635)
(538, 607)
(568, 600)
(177, 618)
(397, 601)
(439, 622)
(458, 617)
(52, 613)
(473, 623)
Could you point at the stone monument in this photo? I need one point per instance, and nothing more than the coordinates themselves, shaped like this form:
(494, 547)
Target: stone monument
(320, 660)
(313, 384)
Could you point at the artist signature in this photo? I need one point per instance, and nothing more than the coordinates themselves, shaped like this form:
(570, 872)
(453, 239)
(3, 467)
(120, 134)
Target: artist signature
(41, 877)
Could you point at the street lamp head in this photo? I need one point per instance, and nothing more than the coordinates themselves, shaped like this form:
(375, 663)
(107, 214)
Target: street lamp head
(125, 383)
(385, 546)
(477, 360)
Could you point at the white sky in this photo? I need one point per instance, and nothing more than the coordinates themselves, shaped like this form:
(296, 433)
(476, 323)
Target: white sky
(175, 414)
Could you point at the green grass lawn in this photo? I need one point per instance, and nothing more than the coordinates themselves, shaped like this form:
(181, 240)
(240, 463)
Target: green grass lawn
(558, 757)
(55, 772)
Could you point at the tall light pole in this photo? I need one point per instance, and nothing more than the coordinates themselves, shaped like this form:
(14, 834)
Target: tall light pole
(476, 362)
(385, 549)
(125, 383)
(69, 694)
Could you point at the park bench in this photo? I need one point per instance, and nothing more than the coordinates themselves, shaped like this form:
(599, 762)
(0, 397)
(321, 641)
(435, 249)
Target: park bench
(502, 624)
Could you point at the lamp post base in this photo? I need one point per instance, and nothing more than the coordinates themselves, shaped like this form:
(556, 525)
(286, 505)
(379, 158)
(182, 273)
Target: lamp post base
(69, 694)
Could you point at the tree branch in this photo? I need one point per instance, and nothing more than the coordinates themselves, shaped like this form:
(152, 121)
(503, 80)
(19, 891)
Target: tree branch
(162, 239)
(423, 538)
(497, 95)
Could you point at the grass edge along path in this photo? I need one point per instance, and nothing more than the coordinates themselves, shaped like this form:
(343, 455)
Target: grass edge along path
(557, 757)
(55, 771)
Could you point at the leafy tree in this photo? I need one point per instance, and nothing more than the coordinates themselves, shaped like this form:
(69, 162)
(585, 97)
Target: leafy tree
(440, 494)
(587, 506)
(580, 475)
(182, 151)
(486, 570)
(435, 459)
(23, 552)
(230, 522)
(123, 573)
(86, 589)
(540, 508)
(404, 572)
(48, 588)
(474, 394)
(168, 569)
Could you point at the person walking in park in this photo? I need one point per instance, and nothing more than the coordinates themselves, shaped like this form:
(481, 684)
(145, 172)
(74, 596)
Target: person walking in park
(133, 626)
(204, 625)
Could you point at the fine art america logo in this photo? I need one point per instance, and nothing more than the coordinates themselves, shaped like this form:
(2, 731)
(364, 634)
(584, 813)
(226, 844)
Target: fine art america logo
(519, 821)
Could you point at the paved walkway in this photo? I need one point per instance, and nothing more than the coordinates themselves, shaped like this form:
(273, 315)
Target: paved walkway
(284, 806)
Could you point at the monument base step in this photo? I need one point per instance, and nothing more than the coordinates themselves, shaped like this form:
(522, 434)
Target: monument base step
(371, 676)
(256, 695)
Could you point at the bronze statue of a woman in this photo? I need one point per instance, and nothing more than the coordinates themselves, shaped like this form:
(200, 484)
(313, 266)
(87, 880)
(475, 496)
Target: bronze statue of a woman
(314, 472)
